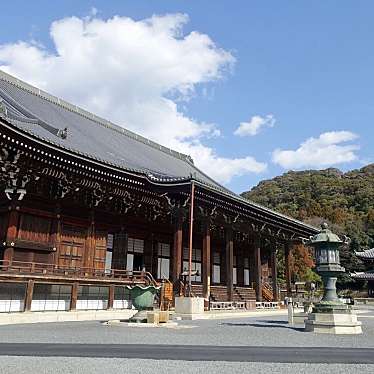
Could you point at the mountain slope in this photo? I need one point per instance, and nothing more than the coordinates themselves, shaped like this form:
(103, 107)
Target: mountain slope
(345, 200)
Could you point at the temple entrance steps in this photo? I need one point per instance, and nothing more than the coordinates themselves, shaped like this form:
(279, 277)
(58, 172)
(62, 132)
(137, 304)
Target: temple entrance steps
(219, 293)
(244, 294)
(197, 290)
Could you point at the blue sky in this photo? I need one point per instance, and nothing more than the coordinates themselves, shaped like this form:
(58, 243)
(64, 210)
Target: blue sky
(303, 69)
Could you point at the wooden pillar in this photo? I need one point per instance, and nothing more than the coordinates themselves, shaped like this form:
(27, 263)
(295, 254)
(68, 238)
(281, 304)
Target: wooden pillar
(55, 238)
(111, 296)
(29, 294)
(206, 261)
(11, 235)
(240, 267)
(274, 273)
(120, 244)
(148, 252)
(287, 253)
(252, 266)
(229, 264)
(90, 244)
(258, 268)
(177, 249)
(154, 259)
(74, 296)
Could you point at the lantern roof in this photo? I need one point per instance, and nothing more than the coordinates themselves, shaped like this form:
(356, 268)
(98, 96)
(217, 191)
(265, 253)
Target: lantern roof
(324, 236)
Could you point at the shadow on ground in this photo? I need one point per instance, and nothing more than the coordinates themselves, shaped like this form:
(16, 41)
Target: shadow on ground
(267, 323)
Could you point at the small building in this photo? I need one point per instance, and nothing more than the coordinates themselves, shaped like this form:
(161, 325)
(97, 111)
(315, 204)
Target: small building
(368, 257)
(88, 208)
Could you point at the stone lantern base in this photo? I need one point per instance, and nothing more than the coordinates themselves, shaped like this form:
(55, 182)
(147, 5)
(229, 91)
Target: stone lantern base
(329, 318)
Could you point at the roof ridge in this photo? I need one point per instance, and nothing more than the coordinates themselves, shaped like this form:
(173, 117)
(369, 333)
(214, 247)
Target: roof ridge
(93, 117)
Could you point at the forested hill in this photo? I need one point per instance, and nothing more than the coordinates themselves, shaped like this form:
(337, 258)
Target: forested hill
(345, 200)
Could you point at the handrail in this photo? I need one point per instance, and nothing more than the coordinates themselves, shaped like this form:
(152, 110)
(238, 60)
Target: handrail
(35, 268)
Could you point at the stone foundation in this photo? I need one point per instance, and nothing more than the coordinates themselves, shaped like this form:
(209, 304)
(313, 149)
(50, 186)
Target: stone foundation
(333, 323)
(189, 307)
(73, 316)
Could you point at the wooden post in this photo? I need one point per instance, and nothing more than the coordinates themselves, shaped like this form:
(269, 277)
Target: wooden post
(148, 253)
(90, 244)
(287, 252)
(240, 267)
(120, 244)
(55, 238)
(29, 294)
(229, 264)
(190, 242)
(177, 249)
(11, 235)
(74, 296)
(258, 268)
(274, 273)
(206, 262)
(111, 296)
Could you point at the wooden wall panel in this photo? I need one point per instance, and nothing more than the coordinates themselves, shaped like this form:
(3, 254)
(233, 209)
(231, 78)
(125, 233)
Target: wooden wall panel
(23, 255)
(72, 246)
(100, 249)
(34, 229)
(4, 218)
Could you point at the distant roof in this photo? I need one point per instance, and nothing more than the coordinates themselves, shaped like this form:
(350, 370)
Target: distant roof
(67, 126)
(367, 254)
(365, 276)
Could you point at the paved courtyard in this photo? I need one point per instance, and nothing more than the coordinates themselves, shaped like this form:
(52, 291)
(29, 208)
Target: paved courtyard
(257, 339)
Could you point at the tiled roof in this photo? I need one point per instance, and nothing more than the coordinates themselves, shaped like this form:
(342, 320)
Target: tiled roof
(45, 117)
(368, 254)
(363, 276)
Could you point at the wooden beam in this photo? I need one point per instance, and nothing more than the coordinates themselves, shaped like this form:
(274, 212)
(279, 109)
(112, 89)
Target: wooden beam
(258, 267)
(287, 254)
(177, 249)
(74, 296)
(206, 261)
(274, 273)
(229, 264)
(29, 295)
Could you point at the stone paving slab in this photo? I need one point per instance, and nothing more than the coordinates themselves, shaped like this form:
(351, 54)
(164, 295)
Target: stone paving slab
(248, 331)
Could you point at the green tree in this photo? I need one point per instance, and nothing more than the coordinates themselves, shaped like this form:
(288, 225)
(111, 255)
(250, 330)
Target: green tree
(344, 200)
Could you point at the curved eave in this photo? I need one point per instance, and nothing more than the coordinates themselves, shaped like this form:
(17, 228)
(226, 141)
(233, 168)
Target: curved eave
(363, 276)
(291, 223)
(366, 255)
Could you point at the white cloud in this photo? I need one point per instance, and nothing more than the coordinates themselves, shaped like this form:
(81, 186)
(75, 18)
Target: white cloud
(223, 168)
(135, 73)
(254, 125)
(324, 151)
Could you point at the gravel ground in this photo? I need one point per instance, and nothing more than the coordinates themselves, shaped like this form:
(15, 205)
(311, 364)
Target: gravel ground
(31, 365)
(255, 331)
